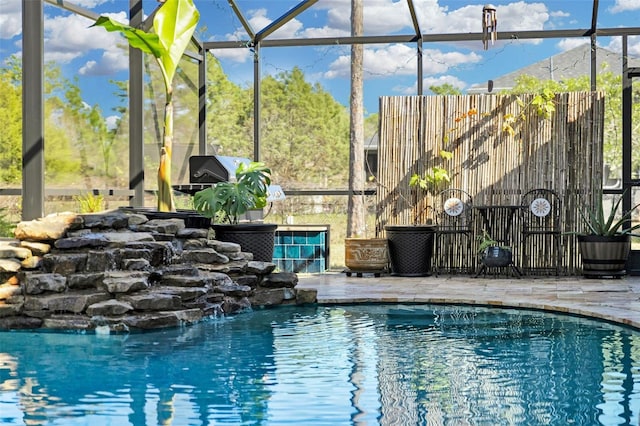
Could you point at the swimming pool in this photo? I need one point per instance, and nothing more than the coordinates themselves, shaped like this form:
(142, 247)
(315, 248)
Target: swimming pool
(384, 364)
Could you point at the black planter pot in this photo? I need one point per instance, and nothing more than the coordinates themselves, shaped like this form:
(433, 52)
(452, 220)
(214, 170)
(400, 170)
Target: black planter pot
(604, 256)
(410, 249)
(496, 257)
(256, 238)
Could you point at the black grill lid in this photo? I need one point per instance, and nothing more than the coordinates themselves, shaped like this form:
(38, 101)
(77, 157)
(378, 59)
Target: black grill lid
(214, 168)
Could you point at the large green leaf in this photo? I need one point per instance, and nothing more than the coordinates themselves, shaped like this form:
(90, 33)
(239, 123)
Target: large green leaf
(174, 24)
(256, 176)
(147, 42)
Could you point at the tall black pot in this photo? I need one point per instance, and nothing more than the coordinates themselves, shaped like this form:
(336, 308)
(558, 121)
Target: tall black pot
(410, 249)
(604, 256)
(256, 238)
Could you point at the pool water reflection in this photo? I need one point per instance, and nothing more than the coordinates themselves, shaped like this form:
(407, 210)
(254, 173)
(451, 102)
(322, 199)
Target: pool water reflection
(339, 365)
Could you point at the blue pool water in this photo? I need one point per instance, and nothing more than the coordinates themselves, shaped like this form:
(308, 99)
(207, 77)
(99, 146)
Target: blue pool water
(341, 365)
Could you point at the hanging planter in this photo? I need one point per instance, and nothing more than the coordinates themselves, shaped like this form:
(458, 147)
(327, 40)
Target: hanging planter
(492, 254)
(496, 257)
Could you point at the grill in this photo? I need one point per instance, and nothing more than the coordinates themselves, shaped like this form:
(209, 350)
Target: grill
(214, 168)
(205, 170)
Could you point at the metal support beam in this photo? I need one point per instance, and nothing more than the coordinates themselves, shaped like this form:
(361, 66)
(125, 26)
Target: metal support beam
(420, 66)
(256, 102)
(278, 23)
(32, 109)
(427, 38)
(627, 105)
(416, 27)
(245, 23)
(594, 63)
(202, 103)
(136, 121)
(75, 9)
(594, 16)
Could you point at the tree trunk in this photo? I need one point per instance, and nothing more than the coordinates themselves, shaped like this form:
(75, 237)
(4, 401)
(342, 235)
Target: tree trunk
(355, 207)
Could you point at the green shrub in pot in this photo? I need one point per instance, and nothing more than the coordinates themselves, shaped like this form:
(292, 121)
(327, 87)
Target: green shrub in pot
(609, 224)
(606, 242)
(227, 202)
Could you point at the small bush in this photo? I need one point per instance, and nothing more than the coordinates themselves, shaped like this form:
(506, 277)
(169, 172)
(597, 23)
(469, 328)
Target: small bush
(90, 203)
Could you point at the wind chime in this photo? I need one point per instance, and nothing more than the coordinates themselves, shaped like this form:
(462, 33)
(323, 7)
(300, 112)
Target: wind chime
(489, 25)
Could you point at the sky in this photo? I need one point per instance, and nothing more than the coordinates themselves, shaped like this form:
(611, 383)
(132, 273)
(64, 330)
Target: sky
(93, 56)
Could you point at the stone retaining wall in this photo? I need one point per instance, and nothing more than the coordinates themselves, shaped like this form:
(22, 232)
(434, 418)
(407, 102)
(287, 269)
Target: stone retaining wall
(117, 269)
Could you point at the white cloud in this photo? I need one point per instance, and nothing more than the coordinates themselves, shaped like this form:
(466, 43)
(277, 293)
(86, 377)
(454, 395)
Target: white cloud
(110, 63)
(400, 59)
(434, 17)
(520, 15)
(379, 17)
(234, 55)
(326, 31)
(624, 5)
(10, 18)
(571, 43)
(69, 37)
(112, 121)
(393, 16)
(633, 46)
(89, 4)
(430, 81)
(259, 20)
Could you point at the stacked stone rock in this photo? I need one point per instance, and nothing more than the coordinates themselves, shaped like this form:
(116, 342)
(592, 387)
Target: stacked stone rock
(121, 271)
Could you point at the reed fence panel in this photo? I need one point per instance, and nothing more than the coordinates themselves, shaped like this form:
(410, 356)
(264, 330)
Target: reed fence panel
(502, 147)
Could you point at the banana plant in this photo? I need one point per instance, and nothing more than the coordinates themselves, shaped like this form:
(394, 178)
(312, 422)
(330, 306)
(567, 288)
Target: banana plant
(173, 26)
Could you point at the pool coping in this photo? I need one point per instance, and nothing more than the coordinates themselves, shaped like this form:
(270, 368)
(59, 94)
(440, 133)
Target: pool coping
(614, 300)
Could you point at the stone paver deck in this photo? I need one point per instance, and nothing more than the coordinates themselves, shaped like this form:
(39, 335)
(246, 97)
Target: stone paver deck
(616, 300)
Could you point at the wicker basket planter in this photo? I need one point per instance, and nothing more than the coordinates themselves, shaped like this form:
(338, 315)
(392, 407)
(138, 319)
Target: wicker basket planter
(410, 249)
(256, 238)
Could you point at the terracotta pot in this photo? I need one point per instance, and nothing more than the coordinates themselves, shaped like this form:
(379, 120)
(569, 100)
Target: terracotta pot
(366, 254)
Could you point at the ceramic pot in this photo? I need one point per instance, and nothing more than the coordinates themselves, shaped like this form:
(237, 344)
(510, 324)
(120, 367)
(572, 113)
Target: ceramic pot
(496, 257)
(604, 256)
(366, 254)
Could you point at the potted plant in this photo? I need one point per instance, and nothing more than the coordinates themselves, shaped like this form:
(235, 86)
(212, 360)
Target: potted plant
(173, 26)
(604, 247)
(492, 253)
(411, 245)
(226, 203)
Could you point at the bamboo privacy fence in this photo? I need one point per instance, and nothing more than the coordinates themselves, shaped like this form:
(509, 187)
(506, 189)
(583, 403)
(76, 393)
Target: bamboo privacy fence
(502, 147)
